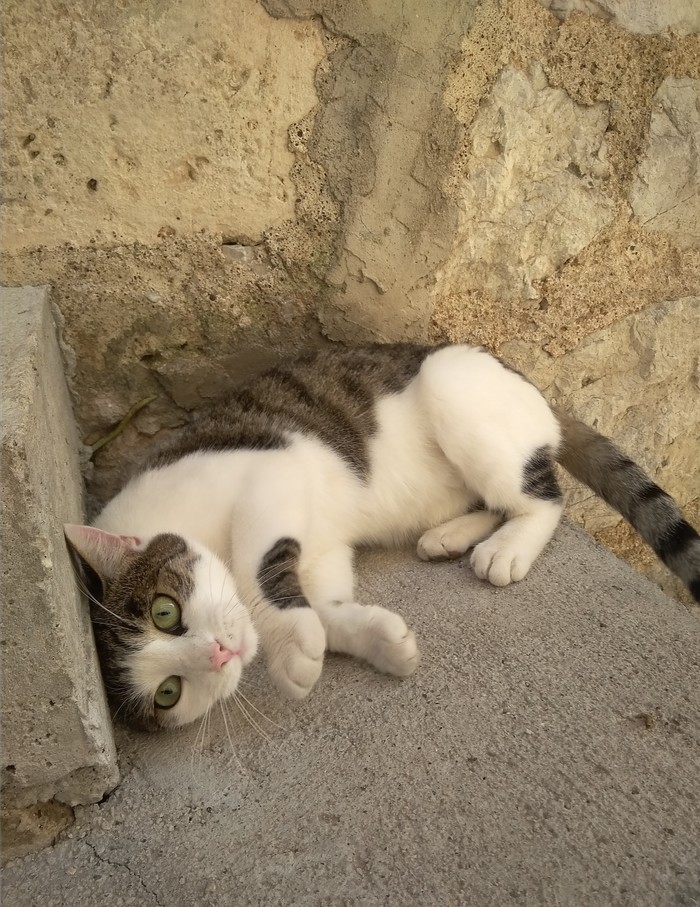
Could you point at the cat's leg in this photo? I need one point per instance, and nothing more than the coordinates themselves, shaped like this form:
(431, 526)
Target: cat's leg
(369, 632)
(269, 526)
(507, 555)
(499, 432)
(527, 495)
(454, 538)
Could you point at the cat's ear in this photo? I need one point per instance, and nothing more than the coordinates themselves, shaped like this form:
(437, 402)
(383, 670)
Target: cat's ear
(103, 551)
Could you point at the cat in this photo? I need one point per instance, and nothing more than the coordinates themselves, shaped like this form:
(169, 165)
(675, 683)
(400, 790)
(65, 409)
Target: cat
(241, 532)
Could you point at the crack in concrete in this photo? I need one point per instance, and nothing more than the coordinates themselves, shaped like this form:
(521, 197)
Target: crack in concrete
(126, 866)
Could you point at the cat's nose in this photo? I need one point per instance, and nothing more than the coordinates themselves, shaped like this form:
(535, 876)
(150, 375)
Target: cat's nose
(220, 655)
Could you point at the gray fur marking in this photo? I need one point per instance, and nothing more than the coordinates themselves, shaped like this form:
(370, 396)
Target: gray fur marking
(329, 394)
(278, 577)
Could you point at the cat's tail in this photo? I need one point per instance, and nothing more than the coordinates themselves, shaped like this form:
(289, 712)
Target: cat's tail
(594, 460)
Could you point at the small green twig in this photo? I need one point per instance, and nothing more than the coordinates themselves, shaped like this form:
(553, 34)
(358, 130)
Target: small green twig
(137, 407)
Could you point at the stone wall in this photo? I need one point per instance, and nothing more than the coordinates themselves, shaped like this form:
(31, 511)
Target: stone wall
(206, 185)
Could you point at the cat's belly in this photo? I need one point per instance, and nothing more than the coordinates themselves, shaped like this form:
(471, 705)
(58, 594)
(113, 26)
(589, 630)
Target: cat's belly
(395, 511)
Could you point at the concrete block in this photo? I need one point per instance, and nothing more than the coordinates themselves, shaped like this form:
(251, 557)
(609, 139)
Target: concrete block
(57, 739)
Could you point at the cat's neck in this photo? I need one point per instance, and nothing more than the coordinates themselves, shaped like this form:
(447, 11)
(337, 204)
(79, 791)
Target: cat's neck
(193, 497)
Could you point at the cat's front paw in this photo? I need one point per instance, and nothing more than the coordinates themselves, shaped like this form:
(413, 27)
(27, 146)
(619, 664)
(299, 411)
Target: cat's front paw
(294, 649)
(391, 646)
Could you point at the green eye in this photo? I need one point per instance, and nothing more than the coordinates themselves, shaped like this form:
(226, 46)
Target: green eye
(165, 612)
(168, 693)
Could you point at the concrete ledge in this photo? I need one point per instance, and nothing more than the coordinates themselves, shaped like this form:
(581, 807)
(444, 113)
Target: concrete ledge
(546, 753)
(57, 740)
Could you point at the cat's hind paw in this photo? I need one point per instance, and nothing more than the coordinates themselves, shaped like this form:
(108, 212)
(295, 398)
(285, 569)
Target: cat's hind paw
(294, 651)
(439, 545)
(452, 539)
(501, 563)
(391, 646)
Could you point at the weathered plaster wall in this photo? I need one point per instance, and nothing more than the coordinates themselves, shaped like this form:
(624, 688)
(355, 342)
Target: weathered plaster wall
(129, 127)
(207, 185)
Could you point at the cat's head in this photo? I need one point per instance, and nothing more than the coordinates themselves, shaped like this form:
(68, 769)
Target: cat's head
(171, 633)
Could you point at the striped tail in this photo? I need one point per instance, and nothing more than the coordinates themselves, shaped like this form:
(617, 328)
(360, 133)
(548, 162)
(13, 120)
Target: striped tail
(595, 461)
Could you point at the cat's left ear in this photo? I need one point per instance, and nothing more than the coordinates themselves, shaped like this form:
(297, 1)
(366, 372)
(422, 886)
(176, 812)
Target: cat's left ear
(103, 551)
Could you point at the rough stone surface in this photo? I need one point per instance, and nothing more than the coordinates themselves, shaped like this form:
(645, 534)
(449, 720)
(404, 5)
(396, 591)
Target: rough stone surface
(56, 731)
(625, 267)
(656, 351)
(385, 138)
(621, 272)
(645, 17)
(666, 194)
(535, 191)
(545, 753)
(168, 120)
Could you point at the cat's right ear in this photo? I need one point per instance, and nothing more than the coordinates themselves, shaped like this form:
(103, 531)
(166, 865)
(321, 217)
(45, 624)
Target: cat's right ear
(103, 552)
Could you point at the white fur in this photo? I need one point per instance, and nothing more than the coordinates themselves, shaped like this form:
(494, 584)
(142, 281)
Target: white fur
(459, 433)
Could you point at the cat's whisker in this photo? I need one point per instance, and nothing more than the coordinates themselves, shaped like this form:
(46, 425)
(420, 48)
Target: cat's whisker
(228, 564)
(277, 570)
(199, 743)
(195, 742)
(251, 720)
(222, 706)
(261, 598)
(254, 685)
(131, 696)
(115, 714)
(223, 579)
(229, 610)
(207, 723)
(233, 602)
(207, 727)
(274, 600)
(240, 693)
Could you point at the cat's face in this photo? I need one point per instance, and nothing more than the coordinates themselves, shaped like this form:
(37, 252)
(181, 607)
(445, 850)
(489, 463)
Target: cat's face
(171, 632)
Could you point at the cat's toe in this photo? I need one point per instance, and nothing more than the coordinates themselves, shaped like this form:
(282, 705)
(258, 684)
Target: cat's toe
(393, 648)
(500, 564)
(297, 676)
(437, 545)
(295, 657)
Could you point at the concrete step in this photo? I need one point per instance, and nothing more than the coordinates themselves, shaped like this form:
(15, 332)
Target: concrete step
(546, 752)
(57, 742)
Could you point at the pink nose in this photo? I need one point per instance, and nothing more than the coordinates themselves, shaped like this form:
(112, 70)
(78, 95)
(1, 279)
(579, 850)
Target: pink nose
(220, 656)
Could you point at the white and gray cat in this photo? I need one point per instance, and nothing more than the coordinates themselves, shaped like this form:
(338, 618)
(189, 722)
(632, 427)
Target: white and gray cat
(243, 530)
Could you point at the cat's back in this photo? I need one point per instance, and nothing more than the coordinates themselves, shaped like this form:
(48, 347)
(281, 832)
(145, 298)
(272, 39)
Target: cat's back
(328, 394)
